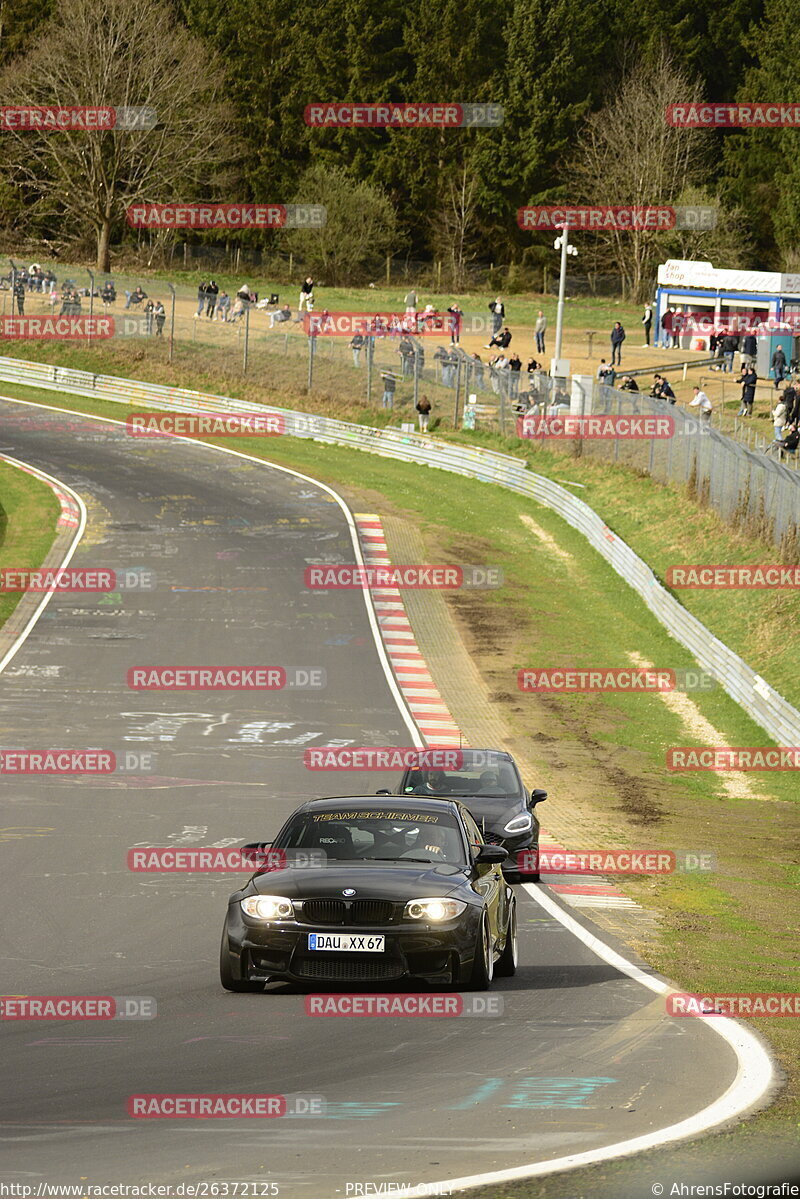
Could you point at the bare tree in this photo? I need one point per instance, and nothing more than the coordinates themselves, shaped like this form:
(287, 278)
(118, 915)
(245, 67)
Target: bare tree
(123, 53)
(629, 155)
(453, 225)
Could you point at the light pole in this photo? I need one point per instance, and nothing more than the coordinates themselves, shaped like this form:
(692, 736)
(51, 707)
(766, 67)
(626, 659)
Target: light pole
(561, 243)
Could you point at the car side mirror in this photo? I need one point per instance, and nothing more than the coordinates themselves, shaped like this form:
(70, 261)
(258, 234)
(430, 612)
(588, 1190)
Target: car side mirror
(537, 795)
(258, 845)
(383, 792)
(491, 855)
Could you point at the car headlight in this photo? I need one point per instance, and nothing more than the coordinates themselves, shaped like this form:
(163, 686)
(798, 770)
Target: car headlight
(267, 907)
(436, 910)
(519, 824)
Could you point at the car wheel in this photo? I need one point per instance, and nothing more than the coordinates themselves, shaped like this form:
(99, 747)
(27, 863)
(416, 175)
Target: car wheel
(507, 962)
(225, 975)
(483, 964)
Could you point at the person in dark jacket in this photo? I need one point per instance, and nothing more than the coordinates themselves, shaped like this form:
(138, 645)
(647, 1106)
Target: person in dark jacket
(730, 344)
(212, 291)
(498, 311)
(778, 365)
(617, 338)
(749, 349)
(647, 323)
(424, 409)
(749, 378)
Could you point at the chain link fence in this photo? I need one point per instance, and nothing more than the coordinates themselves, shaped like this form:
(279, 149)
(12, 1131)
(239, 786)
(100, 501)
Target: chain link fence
(392, 371)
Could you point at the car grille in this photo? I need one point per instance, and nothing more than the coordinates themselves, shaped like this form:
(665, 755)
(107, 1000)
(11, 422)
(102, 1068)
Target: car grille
(324, 911)
(371, 911)
(492, 839)
(349, 971)
(356, 911)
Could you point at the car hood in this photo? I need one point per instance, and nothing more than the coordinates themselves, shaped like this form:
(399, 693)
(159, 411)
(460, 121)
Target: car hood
(495, 811)
(370, 880)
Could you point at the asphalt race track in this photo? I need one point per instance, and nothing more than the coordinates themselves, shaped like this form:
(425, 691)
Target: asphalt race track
(583, 1056)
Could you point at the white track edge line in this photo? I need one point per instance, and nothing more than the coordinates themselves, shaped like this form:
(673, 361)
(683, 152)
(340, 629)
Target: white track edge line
(755, 1073)
(397, 694)
(54, 483)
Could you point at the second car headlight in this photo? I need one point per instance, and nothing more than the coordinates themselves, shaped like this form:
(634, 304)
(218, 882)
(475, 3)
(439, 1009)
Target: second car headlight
(267, 907)
(435, 910)
(519, 824)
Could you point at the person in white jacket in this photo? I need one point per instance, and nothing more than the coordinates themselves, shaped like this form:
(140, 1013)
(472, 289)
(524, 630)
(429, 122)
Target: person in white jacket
(778, 418)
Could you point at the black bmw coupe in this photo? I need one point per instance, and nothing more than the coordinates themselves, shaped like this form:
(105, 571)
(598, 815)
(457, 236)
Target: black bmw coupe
(488, 782)
(371, 890)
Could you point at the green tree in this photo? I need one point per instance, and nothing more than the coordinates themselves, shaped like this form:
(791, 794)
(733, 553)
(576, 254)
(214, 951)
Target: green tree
(361, 226)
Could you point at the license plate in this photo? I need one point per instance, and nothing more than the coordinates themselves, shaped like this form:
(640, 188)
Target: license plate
(346, 942)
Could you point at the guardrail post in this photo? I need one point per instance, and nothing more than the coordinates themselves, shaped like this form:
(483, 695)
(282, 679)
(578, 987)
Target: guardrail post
(458, 385)
(370, 353)
(312, 349)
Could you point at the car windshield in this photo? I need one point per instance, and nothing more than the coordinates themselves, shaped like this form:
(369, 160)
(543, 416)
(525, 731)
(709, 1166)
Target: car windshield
(498, 780)
(351, 834)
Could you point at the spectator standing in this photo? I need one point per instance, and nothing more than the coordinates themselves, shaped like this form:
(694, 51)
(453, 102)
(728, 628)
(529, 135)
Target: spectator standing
(424, 409)
(201, 299)
(449, 368)
(749, 378)
(647, 323)
(702, 402)
(306, 295)
(389, 387)
(148, 317)
(617, 338)
(791, 398)
(411, 302)
(405, 349)
(212, 291)
(223, 307)
(778, 364)
(540, 328)
(357, 345)
(19, 296)
(514, 366)
(160, 316)
(498, 311)
(677, 324)
(779, 418)
(749, 350)
(477, 371)
(603, 371)
(730, 344)
(455, 316)
(666, 328)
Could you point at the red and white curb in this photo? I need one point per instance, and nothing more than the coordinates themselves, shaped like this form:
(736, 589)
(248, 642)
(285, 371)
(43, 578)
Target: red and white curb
(429, 710)
(70, 517)
(433, 716)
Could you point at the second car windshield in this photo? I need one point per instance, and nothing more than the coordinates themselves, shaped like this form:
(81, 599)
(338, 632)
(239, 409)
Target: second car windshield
(362, 835)
(498, 781)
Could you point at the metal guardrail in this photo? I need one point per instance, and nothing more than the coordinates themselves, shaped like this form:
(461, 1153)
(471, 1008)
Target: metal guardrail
(760, 701)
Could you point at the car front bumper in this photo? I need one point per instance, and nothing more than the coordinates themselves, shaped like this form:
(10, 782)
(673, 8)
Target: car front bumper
(440, 954)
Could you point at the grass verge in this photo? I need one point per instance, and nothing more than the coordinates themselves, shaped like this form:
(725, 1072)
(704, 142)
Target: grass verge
(732, 930)
(28, 515)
